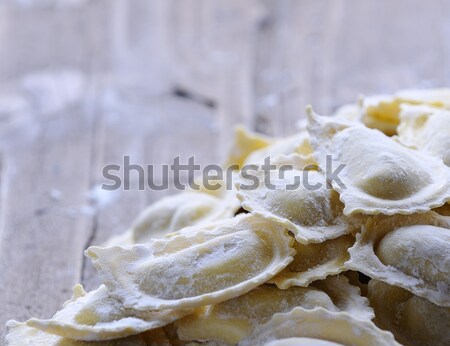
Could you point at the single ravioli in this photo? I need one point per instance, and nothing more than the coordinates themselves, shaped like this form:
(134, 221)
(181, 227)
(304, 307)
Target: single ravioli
(19, 334)
(245, 143)
(235, 319)
(175, 212)
(382, 111)
(195, 267)
(321, 324)
(427, 129)
(99, 316)
(232, 320)
(374, 174)
(413, 320)
(297, 198)
(409, 251)
(301, 342)
(296, 144)
(315, 261)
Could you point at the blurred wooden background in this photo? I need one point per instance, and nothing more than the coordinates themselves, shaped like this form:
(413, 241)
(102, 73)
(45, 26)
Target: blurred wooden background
(83, 83)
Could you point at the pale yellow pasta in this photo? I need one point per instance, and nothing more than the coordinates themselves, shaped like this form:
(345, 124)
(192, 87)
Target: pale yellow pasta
(300, 200)
(99, 316)
(175, 212)
(302, 342)
(413, 320)
(407, 251)
(427, 129)
(245, 143)
(235, 319)
(248, 252)
(347, 297)
(382, 111)
(379, 176)
(19, 334)
(320, 324)
(296, 144)
(315, 261)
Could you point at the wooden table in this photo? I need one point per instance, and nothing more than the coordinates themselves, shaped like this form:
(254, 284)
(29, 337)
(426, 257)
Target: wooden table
(83, 83)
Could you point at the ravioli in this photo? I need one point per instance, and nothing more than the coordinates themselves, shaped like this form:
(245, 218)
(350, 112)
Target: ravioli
(175, 212)
(319, 324)
(399, 181)
(296, 144)
(245, 143)
(298, 199)
(407, 251)
(315, 261)
(234, 319)
(382, 111)
(195, 268)
(99, 316)
(302, 342)
(413, 320)
(427, 129)
(19, 334)
(346, 296)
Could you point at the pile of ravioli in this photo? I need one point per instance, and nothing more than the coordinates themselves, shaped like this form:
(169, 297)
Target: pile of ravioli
(359, 260)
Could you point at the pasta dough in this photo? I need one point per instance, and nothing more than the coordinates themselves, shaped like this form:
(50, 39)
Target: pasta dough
(400, 180)
(99, 316)
(321, 324)
(176, 212)
(427, 129)
(300, 201)
(407, 251)
(19, 334)
(382, 111)
(314, 262)
(296, 144)
(235, 319)
(413, 320)
(208, 271)
(245, 143)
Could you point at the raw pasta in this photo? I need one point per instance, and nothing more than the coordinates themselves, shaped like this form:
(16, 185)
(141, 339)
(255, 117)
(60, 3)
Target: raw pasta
(427, 129)
(234, 319)
(245, 143)
(296, 144)
(413, 320)
(407, 251)
(19, 334)
(307, 253)
(300, 200)
(321, 324)
(382, 111)
(207, 272)
(399, 181)
(173, 213)
(315, 261)
(99, 316)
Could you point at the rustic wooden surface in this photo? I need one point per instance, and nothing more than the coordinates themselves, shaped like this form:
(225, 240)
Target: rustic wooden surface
(83, 83)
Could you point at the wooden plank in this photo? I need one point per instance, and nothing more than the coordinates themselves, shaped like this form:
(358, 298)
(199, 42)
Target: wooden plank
(45, 178)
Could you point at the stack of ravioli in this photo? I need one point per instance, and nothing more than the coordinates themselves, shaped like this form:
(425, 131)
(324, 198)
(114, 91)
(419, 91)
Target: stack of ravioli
(363, 260)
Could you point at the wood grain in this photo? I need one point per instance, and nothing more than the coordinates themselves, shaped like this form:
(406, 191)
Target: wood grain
(81, 86)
